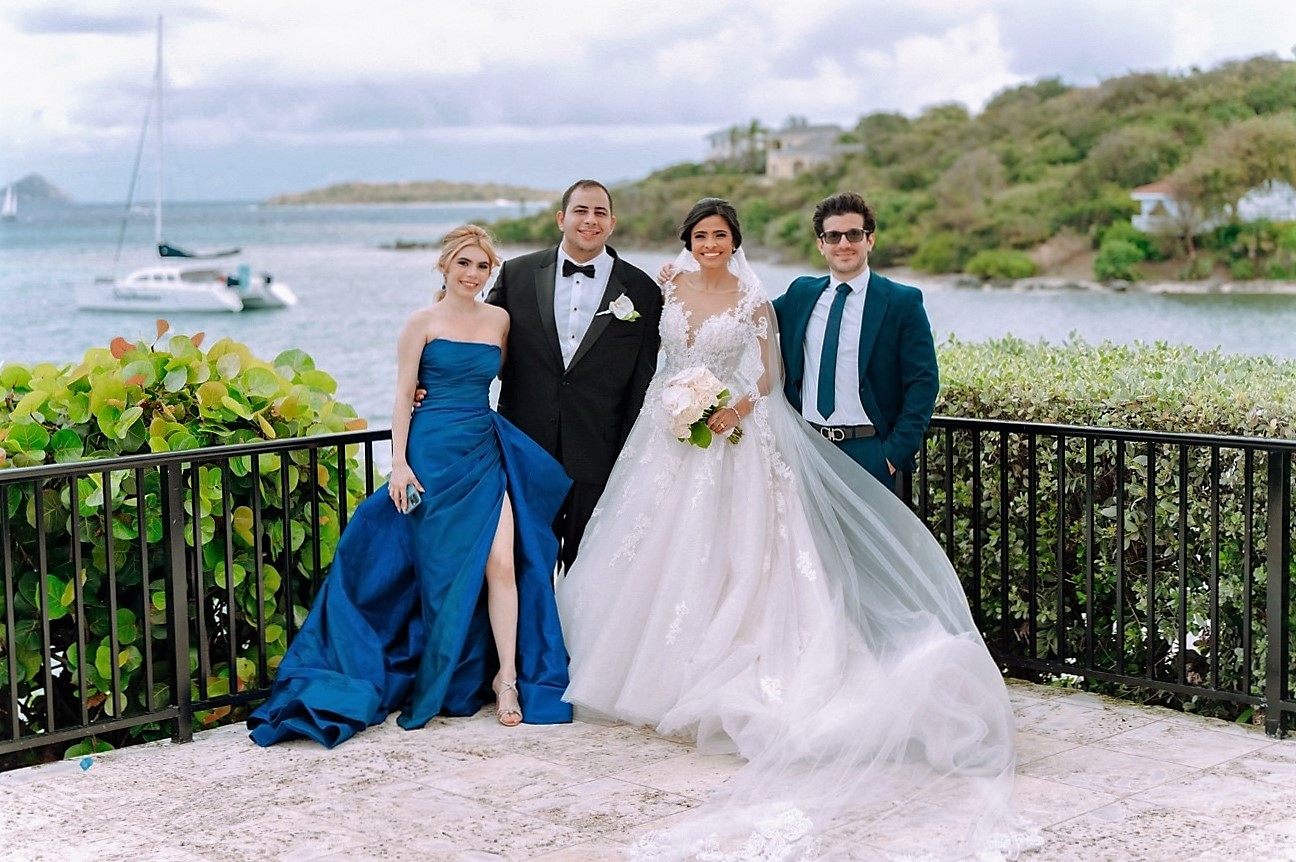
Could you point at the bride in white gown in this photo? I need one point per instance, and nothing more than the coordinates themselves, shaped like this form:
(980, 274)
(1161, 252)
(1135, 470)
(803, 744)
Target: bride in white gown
(769, 598)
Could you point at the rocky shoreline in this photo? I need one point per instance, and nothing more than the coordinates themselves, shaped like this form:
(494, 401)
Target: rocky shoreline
(1213, 286)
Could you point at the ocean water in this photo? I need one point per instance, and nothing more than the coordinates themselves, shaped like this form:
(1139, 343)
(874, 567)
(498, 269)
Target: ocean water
(355, 295)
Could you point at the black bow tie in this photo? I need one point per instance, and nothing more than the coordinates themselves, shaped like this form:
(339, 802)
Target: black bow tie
(570, 269)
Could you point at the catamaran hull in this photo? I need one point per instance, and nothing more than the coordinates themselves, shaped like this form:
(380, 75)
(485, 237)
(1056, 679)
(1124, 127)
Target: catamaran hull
(115, 296)
(262, 296)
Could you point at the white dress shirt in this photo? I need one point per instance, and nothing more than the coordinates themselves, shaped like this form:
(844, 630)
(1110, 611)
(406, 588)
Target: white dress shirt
(576, 301)
(849, 409)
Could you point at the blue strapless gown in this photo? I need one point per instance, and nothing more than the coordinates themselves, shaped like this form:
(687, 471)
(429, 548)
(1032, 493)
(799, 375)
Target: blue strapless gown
(400, 622)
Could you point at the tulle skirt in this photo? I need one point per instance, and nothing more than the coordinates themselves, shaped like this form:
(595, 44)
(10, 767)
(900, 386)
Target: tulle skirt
(771, 599)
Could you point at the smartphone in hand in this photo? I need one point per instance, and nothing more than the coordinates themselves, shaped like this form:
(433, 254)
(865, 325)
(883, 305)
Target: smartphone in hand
(412, 498)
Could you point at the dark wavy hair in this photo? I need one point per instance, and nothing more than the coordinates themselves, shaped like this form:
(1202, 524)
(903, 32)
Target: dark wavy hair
(844, 203)
(704, 209)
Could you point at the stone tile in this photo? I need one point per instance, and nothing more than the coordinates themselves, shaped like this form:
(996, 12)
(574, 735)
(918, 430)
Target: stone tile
(1219, 725)
(274, 835)
(105, 847)
(1042, 802)
(693, 775)
(598, 850)
(603, 805)
(1258, 844)
(1108, 781)
(512, 776)
(1033, 746)
(600, 749)
(391, 851)
(1275, 764)
(22, 812)
(913, 830)
(1227, 794)
(1079, 719)
(107, 786)
(436, 822)
(1104, 771)
(1190, 745)
(1134, 831)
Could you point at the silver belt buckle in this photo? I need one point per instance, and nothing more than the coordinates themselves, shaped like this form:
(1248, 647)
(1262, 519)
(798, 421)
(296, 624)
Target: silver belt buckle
(833, 435)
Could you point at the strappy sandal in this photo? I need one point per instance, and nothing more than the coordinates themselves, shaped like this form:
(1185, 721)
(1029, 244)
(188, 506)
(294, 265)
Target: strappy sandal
(509, 716)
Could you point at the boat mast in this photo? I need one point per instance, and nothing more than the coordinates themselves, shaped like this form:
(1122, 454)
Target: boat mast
(157, 186)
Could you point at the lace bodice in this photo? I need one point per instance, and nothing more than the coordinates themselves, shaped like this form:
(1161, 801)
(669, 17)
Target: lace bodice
(728, 343)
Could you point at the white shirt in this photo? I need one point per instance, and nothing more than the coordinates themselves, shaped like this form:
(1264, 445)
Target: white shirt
(576, 301)
(848, 410)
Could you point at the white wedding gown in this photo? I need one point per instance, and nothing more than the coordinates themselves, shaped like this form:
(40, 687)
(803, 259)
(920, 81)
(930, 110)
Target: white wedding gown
(770, 598)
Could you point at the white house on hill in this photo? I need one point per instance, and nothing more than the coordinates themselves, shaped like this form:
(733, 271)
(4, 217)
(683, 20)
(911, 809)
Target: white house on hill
(1274, 200)
(792, 150)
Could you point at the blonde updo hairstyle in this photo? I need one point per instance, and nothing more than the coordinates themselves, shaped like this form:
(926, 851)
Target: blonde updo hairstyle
(461, 237)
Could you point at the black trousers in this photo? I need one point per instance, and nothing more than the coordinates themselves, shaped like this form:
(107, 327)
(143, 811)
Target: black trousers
(574, 514)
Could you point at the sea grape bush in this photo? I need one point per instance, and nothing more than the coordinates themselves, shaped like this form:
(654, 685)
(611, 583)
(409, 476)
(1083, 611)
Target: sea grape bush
(167, 396)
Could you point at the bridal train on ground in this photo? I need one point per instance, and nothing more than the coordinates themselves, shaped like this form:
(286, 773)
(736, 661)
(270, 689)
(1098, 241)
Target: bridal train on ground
(769, 598)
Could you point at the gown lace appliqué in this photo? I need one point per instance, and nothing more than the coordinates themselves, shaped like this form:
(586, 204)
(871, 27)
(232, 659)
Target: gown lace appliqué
(772, 600)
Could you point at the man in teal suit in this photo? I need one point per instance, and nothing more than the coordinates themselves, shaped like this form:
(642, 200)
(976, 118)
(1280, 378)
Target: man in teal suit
(858, 354)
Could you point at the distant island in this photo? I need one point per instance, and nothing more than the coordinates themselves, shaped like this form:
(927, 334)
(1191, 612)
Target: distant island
(427, 191)
(34, 187)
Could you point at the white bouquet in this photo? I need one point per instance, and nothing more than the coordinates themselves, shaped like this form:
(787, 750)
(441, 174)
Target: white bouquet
(689, 398)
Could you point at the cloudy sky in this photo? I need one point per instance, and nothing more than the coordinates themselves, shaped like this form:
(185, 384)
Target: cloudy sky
(270, 96)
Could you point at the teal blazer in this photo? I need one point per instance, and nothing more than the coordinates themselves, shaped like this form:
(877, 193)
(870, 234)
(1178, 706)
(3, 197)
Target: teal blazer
(899, 379)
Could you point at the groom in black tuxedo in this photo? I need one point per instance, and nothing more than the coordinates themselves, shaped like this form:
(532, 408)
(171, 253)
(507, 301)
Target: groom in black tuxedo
(582, 347)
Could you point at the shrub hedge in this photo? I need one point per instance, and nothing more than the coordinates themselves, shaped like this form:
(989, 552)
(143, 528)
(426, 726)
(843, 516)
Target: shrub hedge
(1153, 387)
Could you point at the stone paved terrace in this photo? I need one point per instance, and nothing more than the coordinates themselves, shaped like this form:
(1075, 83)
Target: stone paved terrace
(1107, 780)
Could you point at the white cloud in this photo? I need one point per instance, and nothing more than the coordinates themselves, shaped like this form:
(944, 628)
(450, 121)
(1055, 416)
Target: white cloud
(321, 73)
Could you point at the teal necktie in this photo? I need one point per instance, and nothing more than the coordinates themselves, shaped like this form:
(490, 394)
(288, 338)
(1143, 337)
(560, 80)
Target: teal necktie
(827, 396)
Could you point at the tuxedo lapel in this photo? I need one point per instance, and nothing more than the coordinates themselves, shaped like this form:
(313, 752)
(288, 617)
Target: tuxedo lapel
(544, 293)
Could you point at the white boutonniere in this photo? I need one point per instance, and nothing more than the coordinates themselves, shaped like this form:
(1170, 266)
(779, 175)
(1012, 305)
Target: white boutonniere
(622, 308)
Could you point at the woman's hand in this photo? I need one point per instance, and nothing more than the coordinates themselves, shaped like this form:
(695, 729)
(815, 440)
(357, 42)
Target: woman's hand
(401, 477)
(724, 420)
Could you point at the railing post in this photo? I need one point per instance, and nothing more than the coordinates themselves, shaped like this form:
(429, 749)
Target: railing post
(173, 539)
(1277, 589)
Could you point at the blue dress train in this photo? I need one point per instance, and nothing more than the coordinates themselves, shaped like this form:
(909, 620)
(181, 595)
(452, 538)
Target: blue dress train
(400, 622)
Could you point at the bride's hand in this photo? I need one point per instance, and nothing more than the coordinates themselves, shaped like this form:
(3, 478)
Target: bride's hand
(724, 420)
(666, 273)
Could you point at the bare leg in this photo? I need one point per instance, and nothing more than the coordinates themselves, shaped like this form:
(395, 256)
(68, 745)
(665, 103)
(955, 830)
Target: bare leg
(502, 608)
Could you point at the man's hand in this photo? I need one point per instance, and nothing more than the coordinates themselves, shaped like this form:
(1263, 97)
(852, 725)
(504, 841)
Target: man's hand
(420, 393)
(890, 466)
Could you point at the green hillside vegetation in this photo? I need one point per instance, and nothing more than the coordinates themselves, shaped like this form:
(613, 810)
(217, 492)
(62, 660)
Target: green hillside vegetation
(1045, 163)
(429, 191)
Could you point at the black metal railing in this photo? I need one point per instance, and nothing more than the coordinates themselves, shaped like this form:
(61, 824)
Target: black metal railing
(1153, 560)
(158, 591)
(162, 589)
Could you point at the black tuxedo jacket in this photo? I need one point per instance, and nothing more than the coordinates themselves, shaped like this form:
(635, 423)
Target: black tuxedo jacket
(581, 414)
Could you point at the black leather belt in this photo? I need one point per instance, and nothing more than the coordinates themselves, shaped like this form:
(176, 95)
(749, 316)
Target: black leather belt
(838, 433)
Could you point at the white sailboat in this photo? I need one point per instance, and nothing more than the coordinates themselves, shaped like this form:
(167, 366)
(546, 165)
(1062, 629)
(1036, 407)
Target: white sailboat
(194, 284)
(9, 209)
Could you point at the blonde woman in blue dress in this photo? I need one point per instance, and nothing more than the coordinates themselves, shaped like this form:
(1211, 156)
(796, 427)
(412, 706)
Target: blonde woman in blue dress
(419, 612)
